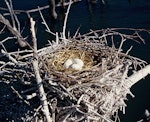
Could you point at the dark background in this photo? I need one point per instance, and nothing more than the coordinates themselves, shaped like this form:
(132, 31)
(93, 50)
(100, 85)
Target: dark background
(115, 14)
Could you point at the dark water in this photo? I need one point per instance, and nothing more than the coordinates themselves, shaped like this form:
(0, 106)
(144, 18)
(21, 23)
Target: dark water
(117, 13)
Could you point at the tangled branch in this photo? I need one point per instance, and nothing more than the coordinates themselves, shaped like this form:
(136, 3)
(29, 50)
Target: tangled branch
(96, 92)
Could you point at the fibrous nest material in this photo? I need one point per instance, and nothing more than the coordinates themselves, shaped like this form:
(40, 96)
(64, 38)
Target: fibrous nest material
(96, 92)
(93, 94)
(57, 61)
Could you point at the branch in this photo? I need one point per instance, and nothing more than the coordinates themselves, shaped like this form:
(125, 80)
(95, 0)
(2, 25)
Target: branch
(42, 95)
(9, 56)
(44, 22)
(22, 42)
(65, 21)
(137, 76)
(37, 9)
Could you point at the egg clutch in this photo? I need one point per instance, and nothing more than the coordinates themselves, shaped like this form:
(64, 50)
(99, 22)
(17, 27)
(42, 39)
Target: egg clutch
(74, 63)
(71, 60)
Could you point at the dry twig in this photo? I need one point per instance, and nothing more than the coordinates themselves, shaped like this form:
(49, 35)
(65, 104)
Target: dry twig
(95, 93)
(42, 95)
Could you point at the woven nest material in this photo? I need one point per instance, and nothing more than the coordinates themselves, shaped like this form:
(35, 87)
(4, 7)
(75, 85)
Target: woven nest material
(98, 90)
(92, 54)
(57, 62)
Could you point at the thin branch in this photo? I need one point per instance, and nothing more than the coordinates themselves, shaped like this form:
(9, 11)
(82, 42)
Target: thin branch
(65, 21)
(17, 93)
(42, 94)
(15, 17)
(44, 22)
(10, 57)
(137, 76)
(77, 31)
(11, 14)
(22, 42)
(2, 29)
(37, 9)
(129, 50)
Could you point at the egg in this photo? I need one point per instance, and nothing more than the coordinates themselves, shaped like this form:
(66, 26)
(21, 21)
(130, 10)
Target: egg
(74, 63)
(78, 61)
(68, 63)
(76, 67)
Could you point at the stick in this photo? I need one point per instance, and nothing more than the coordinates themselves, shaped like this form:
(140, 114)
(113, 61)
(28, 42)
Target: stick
(17, 93)
(22, 42)
(65, 21)
(10, 57)
(42, 95)
(137, 76)
(44, 22)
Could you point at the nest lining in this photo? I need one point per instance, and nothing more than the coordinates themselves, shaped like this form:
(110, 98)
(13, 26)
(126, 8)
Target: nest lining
(57, 62)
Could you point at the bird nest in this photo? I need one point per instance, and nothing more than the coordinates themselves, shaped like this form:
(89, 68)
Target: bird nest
(92, 55)
(98, 90)
(93, 93)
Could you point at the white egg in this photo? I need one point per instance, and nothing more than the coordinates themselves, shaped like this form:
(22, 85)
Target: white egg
(76, 67)
(75, 63)
(68, 63)
(78, 61)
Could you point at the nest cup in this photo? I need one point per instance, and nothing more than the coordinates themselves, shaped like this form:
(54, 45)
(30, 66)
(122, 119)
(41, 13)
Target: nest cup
(54, 62)
(57, 62)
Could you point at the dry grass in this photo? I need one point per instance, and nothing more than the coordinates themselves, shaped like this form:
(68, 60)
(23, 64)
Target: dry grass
(57, 62)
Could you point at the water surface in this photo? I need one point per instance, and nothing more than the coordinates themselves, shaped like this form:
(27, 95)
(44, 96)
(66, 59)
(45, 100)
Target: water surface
(116, 14)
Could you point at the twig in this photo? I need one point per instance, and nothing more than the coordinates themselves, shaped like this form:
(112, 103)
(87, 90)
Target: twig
(8, 38)
(22, 42)
(42, 95)
(4, 40)
(129, 50)
(28, 97)
(11, 13)
(15, 17)
(17, 93)
(10, 57)
(77, 31)
(65, 21)
(44, 22)
(2, 29)
(137, 76)
(36, 9)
